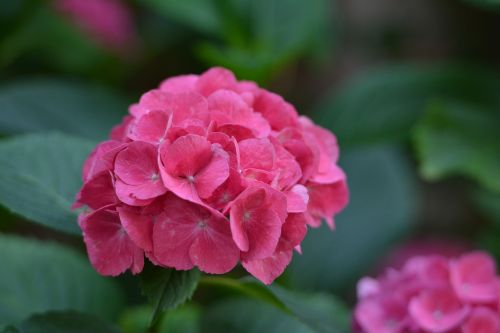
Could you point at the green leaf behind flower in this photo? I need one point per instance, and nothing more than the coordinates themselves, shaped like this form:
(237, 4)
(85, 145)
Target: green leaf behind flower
(62, 322)
(40, 276)
(37, 105)
(456, 138)
(40, 175)
(384, 105)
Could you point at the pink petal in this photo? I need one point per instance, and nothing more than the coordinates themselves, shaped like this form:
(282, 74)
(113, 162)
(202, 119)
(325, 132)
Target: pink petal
(326, 200)
(297, 198)
(179, 84)
(288, 170)
(214, 251)
(257, 154)
(151, 127)
(137, 164)
(193, 168)
(213, 175)
(381, 315)
(110, 249)
(432, 271)
(139, 226)
(182, 187)
(367, 287)
(187, 234)
(102, 158)
(174, 232)
(126, 194)
(153, 100)
(438, 310)
(275, 110)
(473, 277)
(329, 173)
(189, 109)
(326, 141)
(228, 108)
(237, 131)
(214, 79)
(482, 320)
(306, 155)
(186, 156)
(268, 269)
(227, 192)
(293, 232)
(255, 226)
(97, 192)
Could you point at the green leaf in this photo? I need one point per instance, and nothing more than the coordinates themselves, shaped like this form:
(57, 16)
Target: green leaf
(53, 104)
(40, 175)
(200, 14)
(185, 319)
(383, 105)
(249, 316)
(317, 312)
(263, 36)
(248, 287)
(321, 312)
(39, 276)
(167, 288)
(456, 138)
(381, 211)
(489, 203)
(63, 322)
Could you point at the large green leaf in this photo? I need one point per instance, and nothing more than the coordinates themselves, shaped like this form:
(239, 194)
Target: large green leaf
(185, 319)
(250, 316)
(39, 276)
(200, 14)
(168, 288)
(321, 312)
(307, 314)
(43, 37)
(489, 203)
(384, 105)
(263, 36)
(63, 322)
(40, 175)
(247, 287)
(456, 138)
(316, 312)
(381, 210)
(257, 37)
(53, 104)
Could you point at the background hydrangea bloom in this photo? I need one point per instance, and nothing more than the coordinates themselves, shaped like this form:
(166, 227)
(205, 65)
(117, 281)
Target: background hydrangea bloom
(205, 172)
(109, 22)
(432, 294)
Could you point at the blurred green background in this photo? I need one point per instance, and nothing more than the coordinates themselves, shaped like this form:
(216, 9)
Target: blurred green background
(410, 88)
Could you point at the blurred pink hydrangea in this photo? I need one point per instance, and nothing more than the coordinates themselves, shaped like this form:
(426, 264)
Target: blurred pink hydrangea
(108, 22)
(432, 294)
(208, 171)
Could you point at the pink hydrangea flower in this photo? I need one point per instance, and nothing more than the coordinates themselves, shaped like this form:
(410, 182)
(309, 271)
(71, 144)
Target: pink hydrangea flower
(427, 295)
(108, 22)
(206, 172)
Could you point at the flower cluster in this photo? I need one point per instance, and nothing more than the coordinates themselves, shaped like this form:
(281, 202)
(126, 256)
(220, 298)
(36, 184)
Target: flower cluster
(432, 294)
(207, 171)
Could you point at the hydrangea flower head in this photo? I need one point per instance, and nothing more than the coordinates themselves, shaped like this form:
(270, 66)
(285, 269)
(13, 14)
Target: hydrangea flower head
(207, 171)
(432, 294)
